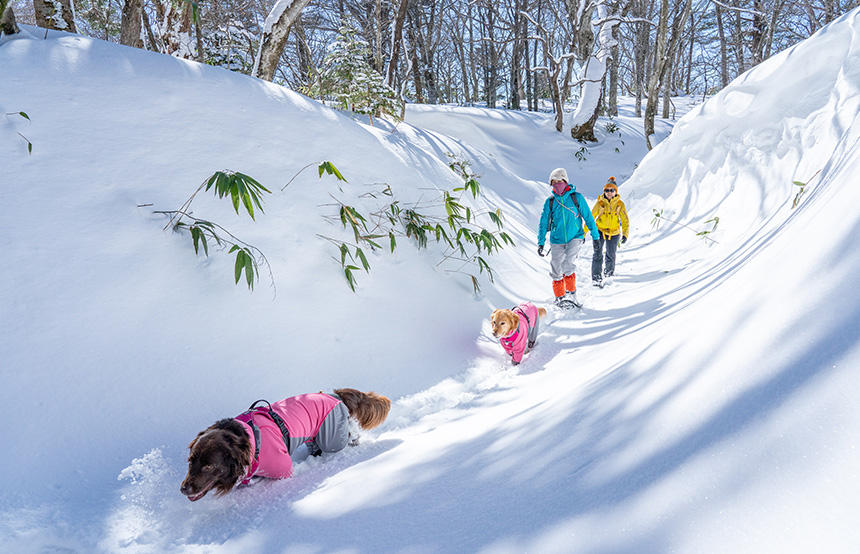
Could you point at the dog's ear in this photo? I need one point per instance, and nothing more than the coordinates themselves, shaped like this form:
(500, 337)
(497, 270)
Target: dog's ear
(197, 438)
(515, 320)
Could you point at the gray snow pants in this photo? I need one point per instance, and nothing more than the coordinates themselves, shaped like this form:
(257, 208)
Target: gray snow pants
(562, 259)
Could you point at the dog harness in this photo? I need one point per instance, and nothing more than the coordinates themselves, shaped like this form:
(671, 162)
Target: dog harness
(247, 417)
(278, 429)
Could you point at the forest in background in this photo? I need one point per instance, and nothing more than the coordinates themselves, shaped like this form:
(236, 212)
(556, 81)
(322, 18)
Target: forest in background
(514, 54)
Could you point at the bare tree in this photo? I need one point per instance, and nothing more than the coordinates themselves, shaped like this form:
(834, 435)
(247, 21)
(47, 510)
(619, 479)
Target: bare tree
(552, 69)
(396, 40)
(517, 53)
(664, 52)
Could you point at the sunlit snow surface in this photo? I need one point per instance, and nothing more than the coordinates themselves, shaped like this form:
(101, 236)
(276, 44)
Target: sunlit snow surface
(704, 402)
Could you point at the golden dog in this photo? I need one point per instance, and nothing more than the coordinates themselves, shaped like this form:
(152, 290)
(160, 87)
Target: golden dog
(517, 328)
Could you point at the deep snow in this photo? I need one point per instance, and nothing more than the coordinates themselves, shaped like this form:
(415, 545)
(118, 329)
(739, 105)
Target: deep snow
(703, 402)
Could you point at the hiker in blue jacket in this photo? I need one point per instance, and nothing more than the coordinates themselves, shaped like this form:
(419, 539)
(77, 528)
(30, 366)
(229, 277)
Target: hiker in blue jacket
(561, 217)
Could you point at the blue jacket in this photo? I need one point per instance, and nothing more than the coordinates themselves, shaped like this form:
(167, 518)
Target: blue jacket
(566, 224)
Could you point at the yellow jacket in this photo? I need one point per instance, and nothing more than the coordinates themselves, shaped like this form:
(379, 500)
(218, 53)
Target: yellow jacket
(610, 216)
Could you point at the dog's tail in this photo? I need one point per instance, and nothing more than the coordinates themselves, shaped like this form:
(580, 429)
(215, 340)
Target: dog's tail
(541, 312)
(369, 408)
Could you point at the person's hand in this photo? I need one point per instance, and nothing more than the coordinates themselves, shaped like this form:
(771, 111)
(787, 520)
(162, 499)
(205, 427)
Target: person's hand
(596, 244)
(540, 250)
(623, 240)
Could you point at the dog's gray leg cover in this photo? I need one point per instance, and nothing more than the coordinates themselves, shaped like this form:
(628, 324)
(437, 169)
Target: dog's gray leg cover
(533, 331)
(334, 431)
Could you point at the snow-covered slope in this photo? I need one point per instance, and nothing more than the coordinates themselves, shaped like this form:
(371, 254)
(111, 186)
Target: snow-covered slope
(110, 320)
(703, 402)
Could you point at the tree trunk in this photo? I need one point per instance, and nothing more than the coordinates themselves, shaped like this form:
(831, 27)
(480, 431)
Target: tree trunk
(724, 65)
(690, 55)
(662, 54)
(54, 14)
(460, 51)
(759, 33)
(275, 34)
(585, 115)
(396, 36)
(303, 52)
(201, 55)
(130, 28)
(424, 53)
(377, 55)
(416, 70)
(773, 19)
(640, 48)
(473, 60)
(739, 40)
(613, 75)
(529, 91)
(516, 59)
(491, 63)
(153, 41)
(667, 92)
(8, 25)
(556, 99)
(654, 81)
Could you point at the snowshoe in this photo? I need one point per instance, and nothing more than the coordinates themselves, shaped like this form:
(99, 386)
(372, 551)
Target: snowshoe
(563, 303)
(571, 296)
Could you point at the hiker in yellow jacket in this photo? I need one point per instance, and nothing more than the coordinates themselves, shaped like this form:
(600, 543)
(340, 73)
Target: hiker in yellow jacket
(610, 215)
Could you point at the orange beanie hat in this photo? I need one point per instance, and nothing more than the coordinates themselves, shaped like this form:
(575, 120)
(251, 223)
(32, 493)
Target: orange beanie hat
(610, 184)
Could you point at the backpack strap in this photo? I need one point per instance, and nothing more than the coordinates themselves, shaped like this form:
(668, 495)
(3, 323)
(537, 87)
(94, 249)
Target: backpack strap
(552, 200)
(549, 221)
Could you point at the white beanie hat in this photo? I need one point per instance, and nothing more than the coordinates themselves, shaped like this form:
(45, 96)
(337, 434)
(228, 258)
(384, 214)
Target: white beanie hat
(558, 174)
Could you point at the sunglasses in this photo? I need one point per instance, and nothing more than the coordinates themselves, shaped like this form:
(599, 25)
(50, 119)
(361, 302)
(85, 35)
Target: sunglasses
(610, 190)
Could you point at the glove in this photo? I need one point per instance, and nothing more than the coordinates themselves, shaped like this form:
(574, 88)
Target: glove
(540, 250)
(623, 240)
(596, 244)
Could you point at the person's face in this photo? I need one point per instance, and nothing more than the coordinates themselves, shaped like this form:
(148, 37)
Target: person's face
(609, 192)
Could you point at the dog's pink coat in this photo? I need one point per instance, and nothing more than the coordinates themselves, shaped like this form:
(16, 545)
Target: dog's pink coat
(516, 343)
(303, 416)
